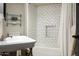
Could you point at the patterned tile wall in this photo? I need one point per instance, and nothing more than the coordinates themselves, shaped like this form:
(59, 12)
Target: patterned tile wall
(48, 15)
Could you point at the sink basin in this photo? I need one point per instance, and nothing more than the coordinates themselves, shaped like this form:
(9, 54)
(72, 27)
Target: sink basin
(16, 43)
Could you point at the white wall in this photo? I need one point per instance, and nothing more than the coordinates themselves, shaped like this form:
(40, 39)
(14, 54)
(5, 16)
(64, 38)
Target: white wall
(31, 21)
(1, 7)
(1, 25)
(16, 8)
(48, 15)
(1, 20)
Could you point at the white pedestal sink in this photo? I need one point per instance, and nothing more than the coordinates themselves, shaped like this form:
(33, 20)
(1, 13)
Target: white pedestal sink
(15, 43)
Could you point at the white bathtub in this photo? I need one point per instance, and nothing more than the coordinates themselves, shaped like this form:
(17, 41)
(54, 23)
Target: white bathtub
(45, 51)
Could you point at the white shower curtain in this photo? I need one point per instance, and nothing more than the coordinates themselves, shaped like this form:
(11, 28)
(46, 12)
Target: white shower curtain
(69, 16)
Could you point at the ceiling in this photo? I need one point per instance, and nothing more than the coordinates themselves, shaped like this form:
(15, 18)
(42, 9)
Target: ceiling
(38, 4)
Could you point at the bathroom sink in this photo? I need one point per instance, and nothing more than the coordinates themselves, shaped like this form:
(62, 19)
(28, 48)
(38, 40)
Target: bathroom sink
(16, 43)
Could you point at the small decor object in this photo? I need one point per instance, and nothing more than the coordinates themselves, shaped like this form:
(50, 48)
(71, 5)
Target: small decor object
(14, 18)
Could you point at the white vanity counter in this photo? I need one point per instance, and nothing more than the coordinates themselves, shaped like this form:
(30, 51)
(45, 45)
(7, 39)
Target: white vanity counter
(16, 42)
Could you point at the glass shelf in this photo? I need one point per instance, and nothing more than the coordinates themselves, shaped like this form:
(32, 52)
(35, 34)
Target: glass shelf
(14, 23)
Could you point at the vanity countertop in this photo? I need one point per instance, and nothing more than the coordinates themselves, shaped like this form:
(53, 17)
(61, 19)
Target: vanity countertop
(16, 42)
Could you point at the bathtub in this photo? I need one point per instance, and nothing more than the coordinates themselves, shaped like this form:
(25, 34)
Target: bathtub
(46, 51)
